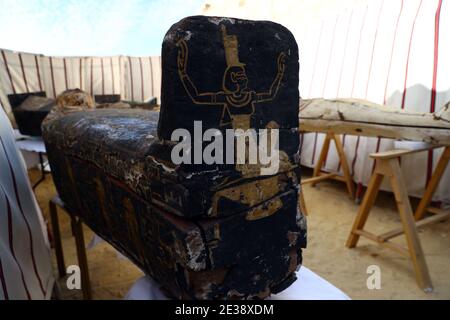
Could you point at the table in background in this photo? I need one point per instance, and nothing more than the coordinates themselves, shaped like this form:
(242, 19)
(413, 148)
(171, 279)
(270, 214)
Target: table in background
(33, 145)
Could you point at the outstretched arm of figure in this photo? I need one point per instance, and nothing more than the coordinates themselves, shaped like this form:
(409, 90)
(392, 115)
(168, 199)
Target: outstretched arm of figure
(191, 89)
(269, 95)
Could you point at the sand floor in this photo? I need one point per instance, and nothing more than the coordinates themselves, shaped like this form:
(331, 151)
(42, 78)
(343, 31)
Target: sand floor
(331, 215)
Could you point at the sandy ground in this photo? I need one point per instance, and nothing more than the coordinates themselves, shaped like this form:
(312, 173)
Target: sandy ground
(331, 215)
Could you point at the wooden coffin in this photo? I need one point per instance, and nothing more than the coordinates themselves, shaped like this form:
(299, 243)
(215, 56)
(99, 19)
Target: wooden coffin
(203, 231)
(361, 117)
(29, 110)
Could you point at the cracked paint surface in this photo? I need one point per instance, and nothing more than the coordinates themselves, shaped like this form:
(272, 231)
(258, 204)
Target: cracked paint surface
(201, 231)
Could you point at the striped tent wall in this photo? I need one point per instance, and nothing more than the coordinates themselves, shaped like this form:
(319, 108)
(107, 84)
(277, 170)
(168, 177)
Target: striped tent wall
(387, 51)
(25, 262)
(392, 52)
(134, 78)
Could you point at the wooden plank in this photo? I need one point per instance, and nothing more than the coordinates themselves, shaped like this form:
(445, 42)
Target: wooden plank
(395, 247)
(392, 246)
(339, 178)
(438, 210)
(318, 178)
(77, 229)
(432, 184)
(424, 222)
(367, 203)
(302, 203)
(406, 215)
(57, 238)
(335, 177)
(369, 236)
(396, 153)
(345, 168)
(322, 158)
(363, 118)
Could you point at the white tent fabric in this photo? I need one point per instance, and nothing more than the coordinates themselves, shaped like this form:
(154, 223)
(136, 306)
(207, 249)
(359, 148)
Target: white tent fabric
(134, 78)
(25, 263)
(390, 52)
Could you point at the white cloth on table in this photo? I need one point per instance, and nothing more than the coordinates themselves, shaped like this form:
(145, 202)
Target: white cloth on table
(30, 147)
(32, 144)
(309, 286)
(25, 261)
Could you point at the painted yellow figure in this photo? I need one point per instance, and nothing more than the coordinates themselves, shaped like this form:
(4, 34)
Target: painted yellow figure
(236, 98)
(238, 102)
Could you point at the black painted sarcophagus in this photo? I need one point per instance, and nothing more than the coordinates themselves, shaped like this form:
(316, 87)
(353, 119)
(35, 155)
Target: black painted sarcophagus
(29, 110)
(203, 194)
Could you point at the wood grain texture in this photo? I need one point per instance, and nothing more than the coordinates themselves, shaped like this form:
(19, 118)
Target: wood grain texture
(363, 118)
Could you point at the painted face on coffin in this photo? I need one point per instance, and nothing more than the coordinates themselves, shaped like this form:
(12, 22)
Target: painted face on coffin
(235, 80)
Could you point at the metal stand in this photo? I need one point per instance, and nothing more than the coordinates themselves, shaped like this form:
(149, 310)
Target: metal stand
(43, 173)
(77, 231)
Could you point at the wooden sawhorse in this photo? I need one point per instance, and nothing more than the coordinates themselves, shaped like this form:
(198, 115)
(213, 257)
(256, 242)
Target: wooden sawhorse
(431, 187)
(77, 231)
(301, 203)
(319, 175)
(387, 165)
